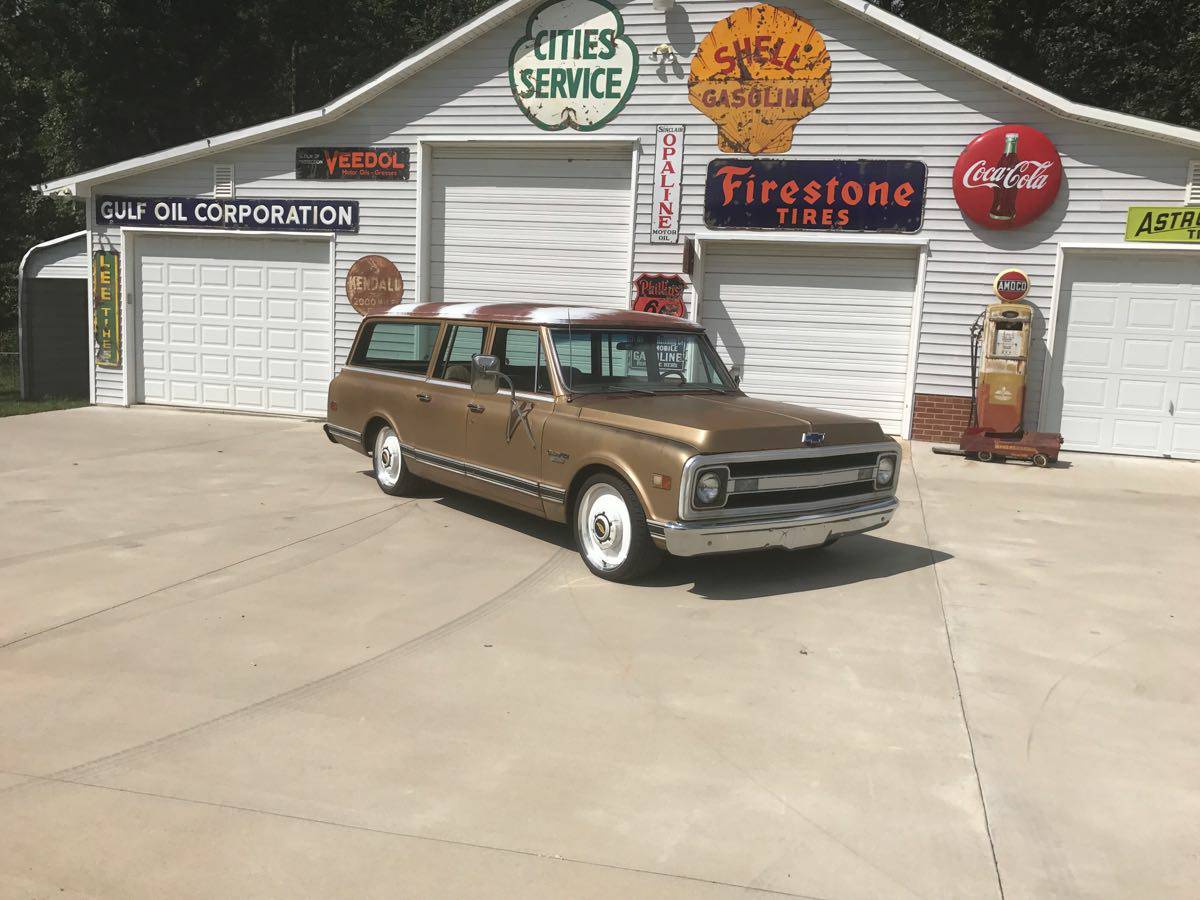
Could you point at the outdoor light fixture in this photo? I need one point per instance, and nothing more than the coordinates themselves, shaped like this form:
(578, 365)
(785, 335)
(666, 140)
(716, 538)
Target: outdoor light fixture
(662, 5)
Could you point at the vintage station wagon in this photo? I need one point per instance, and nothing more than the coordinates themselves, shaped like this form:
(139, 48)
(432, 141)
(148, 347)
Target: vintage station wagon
(625, 425)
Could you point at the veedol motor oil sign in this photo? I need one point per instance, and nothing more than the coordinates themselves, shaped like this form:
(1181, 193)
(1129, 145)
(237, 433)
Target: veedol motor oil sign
(574, 67)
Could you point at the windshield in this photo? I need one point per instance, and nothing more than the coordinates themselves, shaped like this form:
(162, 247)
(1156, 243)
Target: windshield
(595, 362)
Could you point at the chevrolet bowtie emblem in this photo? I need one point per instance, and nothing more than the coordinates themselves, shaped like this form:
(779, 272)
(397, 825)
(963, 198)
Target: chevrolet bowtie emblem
(812, 438)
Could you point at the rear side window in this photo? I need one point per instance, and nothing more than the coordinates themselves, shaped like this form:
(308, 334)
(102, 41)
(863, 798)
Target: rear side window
(397, 346)
(460, 344)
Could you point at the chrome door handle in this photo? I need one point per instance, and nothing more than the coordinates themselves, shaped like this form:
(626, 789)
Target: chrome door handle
(1171, 407)
(475, 407)
(424, 398)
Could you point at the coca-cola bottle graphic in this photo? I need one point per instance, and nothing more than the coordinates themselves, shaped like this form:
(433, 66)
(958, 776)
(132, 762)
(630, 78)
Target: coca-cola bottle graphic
(1004, 186)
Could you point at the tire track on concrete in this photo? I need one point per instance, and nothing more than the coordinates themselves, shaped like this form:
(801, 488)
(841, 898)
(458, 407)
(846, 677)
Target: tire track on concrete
(100, 765)
(192, 579)
(125, 537)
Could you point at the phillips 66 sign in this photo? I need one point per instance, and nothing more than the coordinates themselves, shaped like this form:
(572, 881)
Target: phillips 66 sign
(1007, 177)
(574, 67)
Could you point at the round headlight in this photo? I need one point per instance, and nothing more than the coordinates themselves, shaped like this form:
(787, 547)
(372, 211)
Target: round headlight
(886, 470)
(708, 489)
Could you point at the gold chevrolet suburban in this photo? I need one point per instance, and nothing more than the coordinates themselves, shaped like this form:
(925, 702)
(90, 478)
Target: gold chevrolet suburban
(625, 425)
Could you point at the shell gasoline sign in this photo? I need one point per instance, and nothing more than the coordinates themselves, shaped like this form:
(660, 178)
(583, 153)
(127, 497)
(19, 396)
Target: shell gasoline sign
(758, 73)
(574, 67)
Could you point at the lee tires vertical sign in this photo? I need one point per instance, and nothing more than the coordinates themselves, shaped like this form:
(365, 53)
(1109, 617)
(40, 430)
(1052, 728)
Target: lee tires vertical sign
(668, 173)
(106, 308)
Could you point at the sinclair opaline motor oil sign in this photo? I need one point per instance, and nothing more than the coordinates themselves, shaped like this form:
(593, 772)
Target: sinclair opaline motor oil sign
(574, 67)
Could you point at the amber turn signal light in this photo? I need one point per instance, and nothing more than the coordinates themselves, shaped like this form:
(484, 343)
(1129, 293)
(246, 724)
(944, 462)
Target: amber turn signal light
(663, 482)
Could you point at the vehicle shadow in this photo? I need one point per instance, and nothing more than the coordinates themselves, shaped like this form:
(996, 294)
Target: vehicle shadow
(769, 573)
(735, 576)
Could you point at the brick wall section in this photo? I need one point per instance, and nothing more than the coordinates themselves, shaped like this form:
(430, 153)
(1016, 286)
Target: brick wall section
(939, 417)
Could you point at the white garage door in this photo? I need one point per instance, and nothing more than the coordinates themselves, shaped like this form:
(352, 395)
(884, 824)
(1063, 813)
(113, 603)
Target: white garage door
(817, 326)
(235, 322)
(525, 224)
(1128, 372)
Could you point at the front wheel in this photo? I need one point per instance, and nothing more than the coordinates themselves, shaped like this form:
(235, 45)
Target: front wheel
(611, 532)
(391, 472)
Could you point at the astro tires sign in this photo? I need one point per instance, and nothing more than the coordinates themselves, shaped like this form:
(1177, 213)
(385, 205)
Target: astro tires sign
(574, 67)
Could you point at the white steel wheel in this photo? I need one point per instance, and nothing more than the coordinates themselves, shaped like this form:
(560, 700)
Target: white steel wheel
(610, 529)
(604, 526)
(390, 472)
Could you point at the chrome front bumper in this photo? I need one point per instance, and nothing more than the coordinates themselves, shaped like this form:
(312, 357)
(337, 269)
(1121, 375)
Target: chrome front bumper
(791, 532)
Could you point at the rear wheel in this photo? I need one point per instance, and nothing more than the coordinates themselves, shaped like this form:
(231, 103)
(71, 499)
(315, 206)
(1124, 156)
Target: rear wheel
(611, 532)
(984, 456)
(391, 472)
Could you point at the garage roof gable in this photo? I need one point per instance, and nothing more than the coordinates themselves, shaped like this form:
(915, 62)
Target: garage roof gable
(80, 184)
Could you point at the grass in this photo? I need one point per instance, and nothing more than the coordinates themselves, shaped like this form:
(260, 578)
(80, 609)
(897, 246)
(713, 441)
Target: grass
(11, 403)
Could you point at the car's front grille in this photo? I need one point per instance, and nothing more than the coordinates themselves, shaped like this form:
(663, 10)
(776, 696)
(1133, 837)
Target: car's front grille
(802, 495)
(778, 481)
(798, 465)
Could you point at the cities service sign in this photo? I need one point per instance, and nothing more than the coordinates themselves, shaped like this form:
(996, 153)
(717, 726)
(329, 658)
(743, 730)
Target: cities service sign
(574, 67)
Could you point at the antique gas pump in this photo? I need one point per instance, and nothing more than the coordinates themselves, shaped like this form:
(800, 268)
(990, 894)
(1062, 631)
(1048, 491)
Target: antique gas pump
(1002, 333)
(1000, 341)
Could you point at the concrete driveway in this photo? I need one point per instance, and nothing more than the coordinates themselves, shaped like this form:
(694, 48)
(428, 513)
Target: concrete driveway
(230, 666)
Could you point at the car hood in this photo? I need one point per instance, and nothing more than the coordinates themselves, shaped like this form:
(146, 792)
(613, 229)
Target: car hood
(714, 423)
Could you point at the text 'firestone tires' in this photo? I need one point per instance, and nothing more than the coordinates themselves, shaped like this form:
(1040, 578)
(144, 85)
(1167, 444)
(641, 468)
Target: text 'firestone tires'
(391, 472)
(610, 530)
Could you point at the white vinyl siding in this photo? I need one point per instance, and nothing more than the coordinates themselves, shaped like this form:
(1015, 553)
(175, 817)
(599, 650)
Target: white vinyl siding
(1128, 376)
(530, 224)
(235, 323)
(889, 99)
(67, 259)
(821, 326)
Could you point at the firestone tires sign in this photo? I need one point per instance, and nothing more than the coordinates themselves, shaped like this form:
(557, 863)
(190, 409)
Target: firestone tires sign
(574, 67)
(1007, 177)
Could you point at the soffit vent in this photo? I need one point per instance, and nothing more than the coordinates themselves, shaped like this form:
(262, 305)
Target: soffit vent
(223, 181)
(1192, 195)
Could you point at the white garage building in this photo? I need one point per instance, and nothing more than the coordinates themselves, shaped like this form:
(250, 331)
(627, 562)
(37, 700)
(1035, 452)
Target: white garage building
(499, 205)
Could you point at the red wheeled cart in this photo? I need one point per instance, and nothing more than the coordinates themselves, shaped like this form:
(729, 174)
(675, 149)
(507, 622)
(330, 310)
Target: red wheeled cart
(1038, 447)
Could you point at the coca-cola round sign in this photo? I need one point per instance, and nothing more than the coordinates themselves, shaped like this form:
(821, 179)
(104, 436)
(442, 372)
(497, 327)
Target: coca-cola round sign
(1007, 176)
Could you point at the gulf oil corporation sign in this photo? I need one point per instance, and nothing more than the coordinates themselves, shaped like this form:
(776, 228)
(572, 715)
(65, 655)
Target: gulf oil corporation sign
(574, 67)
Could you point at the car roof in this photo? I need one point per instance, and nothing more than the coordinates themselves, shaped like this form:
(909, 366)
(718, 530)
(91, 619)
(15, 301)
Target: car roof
(541, 314)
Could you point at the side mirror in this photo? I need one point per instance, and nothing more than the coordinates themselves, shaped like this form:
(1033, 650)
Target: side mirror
(485, 374)
(735, 373)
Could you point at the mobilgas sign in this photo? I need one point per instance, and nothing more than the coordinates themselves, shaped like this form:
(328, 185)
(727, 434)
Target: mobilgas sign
(815, 194)
(352, 163)
(1163, 223)
(239, 215)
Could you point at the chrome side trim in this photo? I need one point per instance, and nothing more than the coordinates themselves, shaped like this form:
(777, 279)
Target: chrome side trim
(350, 433)
(491, 476)
(368, 370)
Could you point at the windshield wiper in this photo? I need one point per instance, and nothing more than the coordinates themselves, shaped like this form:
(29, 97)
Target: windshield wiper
(614, 389)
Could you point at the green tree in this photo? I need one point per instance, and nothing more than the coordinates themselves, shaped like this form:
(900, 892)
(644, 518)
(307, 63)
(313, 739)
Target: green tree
(1135, 56)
